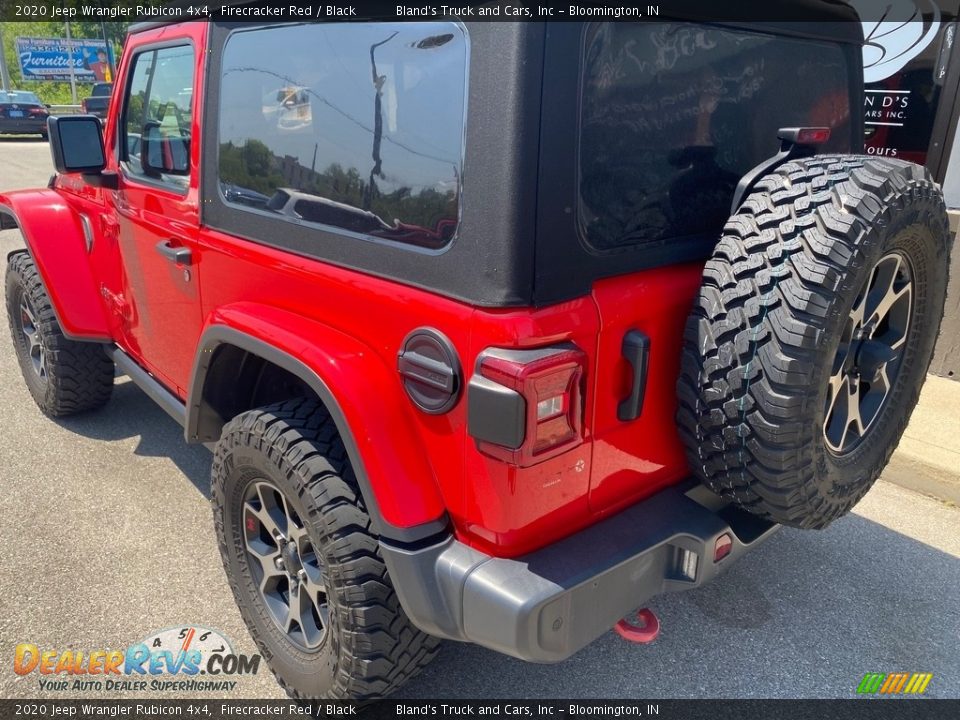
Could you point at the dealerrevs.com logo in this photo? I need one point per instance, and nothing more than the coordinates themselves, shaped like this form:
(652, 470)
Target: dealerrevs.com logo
(187, 658)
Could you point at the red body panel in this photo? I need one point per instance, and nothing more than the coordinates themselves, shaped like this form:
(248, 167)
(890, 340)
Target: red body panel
(55, 237)
(348, 326)
(510, 510)
(394, 457)
(494, 506)
(634, 459)
(160, 319)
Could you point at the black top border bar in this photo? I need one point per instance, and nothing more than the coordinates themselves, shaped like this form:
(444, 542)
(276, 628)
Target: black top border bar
(739, 11)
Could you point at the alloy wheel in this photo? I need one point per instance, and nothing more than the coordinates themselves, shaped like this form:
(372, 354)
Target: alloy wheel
(870, 354)
(35, 349)
(286, 566)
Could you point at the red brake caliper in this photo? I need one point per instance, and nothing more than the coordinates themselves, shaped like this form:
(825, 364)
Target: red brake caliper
(640, 627)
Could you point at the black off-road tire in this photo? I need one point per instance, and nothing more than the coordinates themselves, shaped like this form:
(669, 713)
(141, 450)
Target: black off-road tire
(762, 346)
(75, 376)
(370, 647)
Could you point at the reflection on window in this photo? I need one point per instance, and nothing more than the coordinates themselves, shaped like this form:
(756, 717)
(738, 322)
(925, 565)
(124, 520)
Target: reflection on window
(673, 115)
(355, 126)
(158, 114)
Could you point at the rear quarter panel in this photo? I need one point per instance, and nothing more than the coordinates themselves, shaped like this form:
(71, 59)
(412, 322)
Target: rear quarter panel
(349, 327)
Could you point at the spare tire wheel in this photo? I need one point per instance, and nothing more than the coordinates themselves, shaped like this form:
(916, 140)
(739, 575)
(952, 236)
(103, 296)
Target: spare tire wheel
(810, 338)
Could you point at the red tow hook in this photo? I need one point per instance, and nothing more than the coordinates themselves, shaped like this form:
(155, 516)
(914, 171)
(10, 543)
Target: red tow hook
(641, 626)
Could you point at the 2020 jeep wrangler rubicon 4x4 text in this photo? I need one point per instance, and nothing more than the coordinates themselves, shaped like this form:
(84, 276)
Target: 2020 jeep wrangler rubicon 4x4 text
(498, 329)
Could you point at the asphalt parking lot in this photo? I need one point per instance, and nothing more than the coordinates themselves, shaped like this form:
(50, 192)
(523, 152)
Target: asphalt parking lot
(106, 536)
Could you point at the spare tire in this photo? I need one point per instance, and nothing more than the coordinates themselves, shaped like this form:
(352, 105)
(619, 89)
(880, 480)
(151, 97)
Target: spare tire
(811, 335)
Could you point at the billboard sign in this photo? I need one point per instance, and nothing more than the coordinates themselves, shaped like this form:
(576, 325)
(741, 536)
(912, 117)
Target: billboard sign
(51, 58)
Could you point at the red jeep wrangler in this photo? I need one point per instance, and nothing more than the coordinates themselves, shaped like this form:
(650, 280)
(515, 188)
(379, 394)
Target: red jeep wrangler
(498, 329)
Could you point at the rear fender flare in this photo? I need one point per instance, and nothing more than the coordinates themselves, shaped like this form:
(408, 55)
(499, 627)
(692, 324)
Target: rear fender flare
(362, 396)
(55, 239)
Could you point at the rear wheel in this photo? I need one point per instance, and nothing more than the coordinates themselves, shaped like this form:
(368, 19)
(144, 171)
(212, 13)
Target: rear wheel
(64, 376)
(809, 341)
(303, 561)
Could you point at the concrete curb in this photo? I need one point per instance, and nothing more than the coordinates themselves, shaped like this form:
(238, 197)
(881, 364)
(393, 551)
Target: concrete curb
(928, 457)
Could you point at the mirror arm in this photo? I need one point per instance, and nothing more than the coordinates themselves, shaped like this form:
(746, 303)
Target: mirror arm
(105, 180)
(145, 145)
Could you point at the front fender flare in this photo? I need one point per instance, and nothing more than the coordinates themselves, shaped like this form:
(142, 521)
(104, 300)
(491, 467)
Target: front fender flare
(362, 396)
(55, 239)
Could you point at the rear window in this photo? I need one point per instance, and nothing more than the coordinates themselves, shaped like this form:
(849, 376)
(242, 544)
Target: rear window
(352, 127)
(25, 98)
(673, 115)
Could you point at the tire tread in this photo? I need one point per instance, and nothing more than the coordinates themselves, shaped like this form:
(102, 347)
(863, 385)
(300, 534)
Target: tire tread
(380, 649)
(79, 374)
(754, 337)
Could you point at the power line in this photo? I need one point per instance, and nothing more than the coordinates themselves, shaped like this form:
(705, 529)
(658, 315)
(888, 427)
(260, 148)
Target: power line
(340, 111)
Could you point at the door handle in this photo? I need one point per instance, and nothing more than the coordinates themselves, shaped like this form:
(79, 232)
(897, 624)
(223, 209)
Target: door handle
(175, 253)
(636, 349)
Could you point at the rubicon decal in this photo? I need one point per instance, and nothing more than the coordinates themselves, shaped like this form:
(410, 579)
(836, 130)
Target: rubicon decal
(184, 652)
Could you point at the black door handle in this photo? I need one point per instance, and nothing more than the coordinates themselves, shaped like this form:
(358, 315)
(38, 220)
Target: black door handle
(636, 349)
(175, 253)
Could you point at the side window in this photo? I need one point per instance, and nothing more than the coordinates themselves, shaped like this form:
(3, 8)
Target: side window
(155, 137)
(672, 116)
(353, 126)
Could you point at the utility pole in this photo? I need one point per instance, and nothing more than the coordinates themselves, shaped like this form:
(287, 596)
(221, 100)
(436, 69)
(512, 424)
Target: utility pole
(4, 75)
(109, 47)
(73, 78)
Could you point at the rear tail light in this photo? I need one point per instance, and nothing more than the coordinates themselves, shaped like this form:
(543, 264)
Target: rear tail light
(83, 105)
(525, 406)
(804, 135)
(39, 112)
(813, 136)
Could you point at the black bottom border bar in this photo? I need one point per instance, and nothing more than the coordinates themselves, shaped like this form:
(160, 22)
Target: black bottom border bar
(390, 709)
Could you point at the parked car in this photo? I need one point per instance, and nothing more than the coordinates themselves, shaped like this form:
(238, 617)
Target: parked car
(99, 100)
(664, 308)
(22, 113)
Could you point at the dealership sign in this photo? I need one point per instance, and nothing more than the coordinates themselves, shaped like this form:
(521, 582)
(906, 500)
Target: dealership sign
(51, 59)
(906, 54)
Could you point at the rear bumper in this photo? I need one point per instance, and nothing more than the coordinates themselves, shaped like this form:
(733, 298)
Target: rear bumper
(546, 606)
(23, 126)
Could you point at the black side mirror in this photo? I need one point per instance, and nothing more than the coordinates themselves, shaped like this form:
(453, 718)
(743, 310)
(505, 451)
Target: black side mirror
(76, 143)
